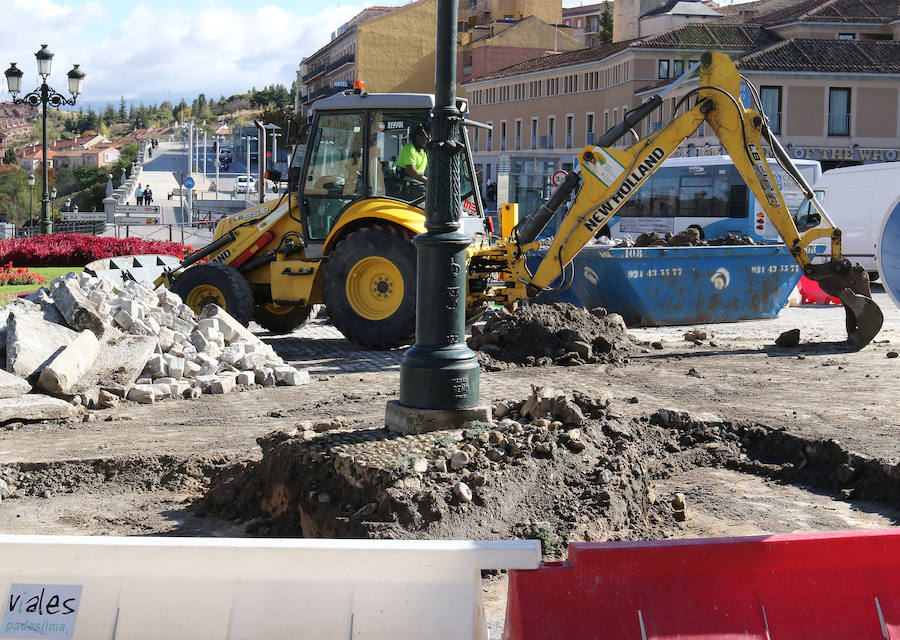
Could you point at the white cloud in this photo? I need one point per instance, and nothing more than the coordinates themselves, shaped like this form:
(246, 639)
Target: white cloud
(154, 54)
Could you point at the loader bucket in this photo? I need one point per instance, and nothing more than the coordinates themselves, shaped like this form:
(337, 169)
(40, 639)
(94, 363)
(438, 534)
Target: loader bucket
(851, 285)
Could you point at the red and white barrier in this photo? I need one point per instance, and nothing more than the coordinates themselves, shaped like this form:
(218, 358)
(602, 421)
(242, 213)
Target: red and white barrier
(824, 586)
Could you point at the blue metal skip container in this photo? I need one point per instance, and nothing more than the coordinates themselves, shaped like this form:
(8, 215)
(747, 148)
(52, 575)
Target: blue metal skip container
(657, 286)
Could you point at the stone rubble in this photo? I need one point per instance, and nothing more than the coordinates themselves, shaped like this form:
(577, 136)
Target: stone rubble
(91, 342)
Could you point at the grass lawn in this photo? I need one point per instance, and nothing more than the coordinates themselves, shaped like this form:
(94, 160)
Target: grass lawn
(8, 292)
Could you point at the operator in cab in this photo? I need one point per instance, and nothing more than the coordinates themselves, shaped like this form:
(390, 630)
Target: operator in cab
(414, 160)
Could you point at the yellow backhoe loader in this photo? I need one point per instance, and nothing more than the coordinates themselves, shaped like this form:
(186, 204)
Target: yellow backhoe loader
(341, 236)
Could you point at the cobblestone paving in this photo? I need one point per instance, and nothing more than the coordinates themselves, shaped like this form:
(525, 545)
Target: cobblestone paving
(322, 349)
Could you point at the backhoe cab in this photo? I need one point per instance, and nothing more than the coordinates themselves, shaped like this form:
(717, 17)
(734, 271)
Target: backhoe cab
(342, 234)
(606, 178)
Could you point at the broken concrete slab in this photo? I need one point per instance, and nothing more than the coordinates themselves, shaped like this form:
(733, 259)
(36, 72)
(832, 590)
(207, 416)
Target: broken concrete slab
(61, 373)
(79, 312)
(118, 364)
(32, 341)
(12, 385)
(409, 420)
(35, 406)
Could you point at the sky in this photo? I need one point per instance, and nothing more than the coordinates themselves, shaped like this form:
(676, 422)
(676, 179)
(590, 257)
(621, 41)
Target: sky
(169, 49)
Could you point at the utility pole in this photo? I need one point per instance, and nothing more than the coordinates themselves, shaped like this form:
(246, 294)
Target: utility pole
(190, 171)
(205, 177)
(440, 375)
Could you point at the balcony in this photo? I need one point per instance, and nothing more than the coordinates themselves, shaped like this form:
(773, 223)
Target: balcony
(839, 124)
(340, 62)
(321, 93)
(592, 26)
(316, 71)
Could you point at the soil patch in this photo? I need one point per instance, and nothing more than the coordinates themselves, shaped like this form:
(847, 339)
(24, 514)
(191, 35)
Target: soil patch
(547, 334)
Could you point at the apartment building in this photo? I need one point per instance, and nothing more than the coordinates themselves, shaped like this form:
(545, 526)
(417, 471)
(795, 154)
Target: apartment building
(586, 22)
(828, 74)
(391, 49)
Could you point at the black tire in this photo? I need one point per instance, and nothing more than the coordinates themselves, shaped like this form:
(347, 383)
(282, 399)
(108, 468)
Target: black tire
(280, 319)
(212, 282)
(379, 244)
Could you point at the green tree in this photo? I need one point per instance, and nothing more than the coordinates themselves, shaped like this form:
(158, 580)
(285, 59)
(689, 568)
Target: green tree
(123, 110)
(9, 156)
(109, 113)
(127, 156)
(606, 24)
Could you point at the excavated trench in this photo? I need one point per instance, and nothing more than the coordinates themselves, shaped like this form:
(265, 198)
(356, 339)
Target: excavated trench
(530, 475)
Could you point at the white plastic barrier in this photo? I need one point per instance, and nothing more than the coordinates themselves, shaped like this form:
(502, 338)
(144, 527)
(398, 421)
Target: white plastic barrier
(196, 588)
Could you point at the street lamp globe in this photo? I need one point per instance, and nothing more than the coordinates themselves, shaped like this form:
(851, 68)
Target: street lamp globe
(44, 59)
(68, 204)
(53, 193)
(14, 78)
(76, 80)
(30, 179)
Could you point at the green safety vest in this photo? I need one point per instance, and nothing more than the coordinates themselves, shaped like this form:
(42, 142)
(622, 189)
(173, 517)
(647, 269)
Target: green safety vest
(410, 155)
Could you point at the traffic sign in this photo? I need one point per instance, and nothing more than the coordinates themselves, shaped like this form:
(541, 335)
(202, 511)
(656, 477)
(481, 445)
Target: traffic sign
(87, 216)
(137, 220)
(558, 178)
(189, 182)
(150, 210)
(179, 177)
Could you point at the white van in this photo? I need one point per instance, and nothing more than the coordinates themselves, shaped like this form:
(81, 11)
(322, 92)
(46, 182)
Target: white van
(857, 199)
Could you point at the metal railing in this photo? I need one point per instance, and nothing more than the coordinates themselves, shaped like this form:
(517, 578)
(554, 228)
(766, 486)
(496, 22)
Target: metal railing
(319, 70)
(839, 124)
(340, 62)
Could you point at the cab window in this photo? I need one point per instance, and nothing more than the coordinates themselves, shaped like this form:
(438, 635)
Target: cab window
(334, 177)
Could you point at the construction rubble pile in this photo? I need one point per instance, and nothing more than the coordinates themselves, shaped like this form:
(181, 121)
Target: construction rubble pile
(92, 342)
(547, 334)
(690, 237)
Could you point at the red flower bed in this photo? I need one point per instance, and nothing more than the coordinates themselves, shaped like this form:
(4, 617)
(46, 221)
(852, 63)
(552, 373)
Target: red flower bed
(18, 275)
(75, 250)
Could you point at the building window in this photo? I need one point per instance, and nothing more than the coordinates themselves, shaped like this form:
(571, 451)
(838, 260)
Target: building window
(771, 104)
(518, 135)
(475, 140)
(503, 135)
(846, 36)
(490, 137)
(589, 129)
(839, 112)
(551, 131)
(663, 69)
(677, 68)
(534, 133)
(570, 133)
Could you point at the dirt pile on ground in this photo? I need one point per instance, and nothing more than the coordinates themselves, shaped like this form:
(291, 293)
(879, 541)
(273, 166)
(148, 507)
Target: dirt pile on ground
(547, 334)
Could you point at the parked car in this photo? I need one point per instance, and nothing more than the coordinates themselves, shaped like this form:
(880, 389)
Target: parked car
(244, 184)
(225, 155)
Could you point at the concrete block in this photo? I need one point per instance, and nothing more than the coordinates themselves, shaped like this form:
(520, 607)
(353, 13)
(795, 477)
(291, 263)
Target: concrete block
(42, 299)
(153, 325)
(183, 326)
(35, 406)
(168, 381)
(79, 312)
(231, 328)
(204, 382)
(156, 366)
(210, 324)
(140, 328)
(222, 384)
(89, 398)
(106, 399)
(119, 363)
(212, 350)
(265, 377)
(123, 319)
(233, 353)
(142, 393)
(167, 298)
(12, 385)
(191, 369)
(161, 390)
(60, 374)
(186, 313)
(208, 366)
(24, 306)
(245, 378)
(252, 361)
(199, 340)
(166, 338)
(31, 342)
(290, 376)
(175, 366)
(408, 420)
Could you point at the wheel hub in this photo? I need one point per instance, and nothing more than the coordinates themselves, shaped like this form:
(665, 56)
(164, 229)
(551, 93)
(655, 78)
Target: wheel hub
(374, 288)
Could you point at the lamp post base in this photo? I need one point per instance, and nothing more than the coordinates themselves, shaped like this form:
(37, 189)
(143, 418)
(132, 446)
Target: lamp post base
(409, 420)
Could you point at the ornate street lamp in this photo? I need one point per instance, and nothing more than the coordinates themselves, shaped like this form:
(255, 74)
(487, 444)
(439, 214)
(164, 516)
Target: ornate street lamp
(31, 203)
(53, 193)
(43, 96)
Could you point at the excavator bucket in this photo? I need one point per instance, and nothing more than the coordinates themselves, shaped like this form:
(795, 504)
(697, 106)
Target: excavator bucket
(850, 284)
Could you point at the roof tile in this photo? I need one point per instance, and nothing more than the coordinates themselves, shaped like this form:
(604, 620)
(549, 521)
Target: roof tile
(827, 56)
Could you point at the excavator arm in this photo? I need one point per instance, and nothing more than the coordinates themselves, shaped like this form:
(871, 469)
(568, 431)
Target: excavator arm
(606, 178)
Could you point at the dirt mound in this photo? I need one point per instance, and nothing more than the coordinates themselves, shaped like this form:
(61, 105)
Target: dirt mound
(690, 237)
(546, 334)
